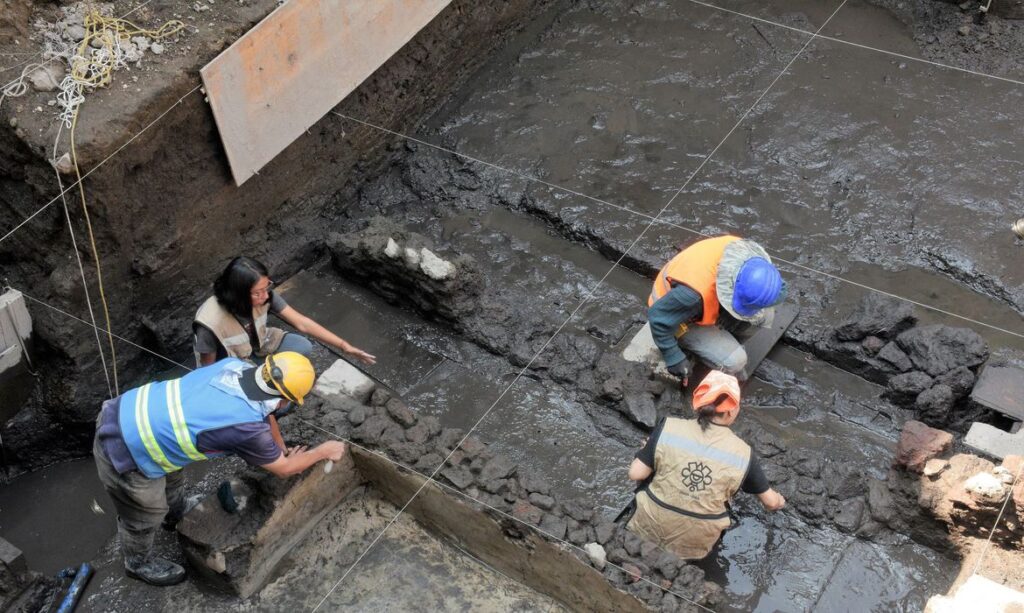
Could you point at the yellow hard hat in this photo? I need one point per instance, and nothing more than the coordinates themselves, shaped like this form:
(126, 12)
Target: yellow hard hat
(291, 373)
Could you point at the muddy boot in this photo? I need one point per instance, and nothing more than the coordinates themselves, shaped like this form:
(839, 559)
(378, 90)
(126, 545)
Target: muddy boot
(154, 570)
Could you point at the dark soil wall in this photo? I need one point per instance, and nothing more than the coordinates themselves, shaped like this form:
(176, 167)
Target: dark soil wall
(168, 216)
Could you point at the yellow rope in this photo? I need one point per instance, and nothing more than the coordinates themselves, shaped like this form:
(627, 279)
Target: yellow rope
(93, 69)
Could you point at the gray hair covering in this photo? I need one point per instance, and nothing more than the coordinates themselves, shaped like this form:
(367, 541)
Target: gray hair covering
(736, 254)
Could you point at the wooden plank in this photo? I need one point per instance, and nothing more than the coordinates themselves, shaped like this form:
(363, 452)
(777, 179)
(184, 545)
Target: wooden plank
(1001, 388)
(285, 74)
(759, 341)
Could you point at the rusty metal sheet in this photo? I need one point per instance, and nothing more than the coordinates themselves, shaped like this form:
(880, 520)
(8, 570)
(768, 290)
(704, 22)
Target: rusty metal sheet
(297, 64)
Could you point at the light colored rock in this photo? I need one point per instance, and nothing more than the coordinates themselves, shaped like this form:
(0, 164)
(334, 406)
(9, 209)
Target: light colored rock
(934, 467)
(343, 379)
(64, 165)
(977, 594)
(141, 42)
(412, 257)
(985, 485)
(597, 555)
(47, 77)
(643, 350)
(435, 267)
(75, 32)
(994, 442)
(1003, 474)
(156, 48)
(392, 250)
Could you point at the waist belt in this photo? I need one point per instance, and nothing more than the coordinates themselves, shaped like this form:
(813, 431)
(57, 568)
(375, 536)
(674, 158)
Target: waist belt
(661, 503)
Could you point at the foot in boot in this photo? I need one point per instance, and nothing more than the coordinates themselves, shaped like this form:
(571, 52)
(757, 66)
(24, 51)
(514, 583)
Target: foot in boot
(154, 571)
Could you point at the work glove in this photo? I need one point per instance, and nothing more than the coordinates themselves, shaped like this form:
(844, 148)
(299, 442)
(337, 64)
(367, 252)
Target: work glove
(681, 370)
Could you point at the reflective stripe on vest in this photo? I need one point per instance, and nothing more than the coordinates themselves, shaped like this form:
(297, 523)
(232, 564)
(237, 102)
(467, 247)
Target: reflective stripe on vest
(178, 421)
(697, 268)
(161, 433)
(146, 430)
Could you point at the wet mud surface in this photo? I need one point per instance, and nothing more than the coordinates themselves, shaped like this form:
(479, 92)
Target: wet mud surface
(895, 174)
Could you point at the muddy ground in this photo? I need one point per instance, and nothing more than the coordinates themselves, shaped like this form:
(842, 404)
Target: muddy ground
(894, 173)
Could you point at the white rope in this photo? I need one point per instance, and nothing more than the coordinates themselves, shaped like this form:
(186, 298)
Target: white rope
(583, 302)
(97, 166)
(853, 44)
(81, 268)
(999, 517)
(463, 494)
(101, 329)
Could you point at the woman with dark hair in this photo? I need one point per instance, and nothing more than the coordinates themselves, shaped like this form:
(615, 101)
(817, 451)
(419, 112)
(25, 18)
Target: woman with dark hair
(233, 322)
(691, 468)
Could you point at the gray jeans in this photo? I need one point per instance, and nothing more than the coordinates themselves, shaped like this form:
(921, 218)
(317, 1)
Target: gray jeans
(716, 347)
(142, 503)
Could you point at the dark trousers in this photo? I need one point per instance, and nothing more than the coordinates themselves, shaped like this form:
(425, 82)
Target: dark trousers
(142, 503)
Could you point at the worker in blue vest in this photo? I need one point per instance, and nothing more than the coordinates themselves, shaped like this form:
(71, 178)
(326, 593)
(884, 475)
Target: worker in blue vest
(145, 436)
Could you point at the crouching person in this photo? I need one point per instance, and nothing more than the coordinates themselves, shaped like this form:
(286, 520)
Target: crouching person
(691, 468)
(145, 436)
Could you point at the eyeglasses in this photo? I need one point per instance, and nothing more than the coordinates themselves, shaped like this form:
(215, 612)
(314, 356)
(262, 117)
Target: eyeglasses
(260, 292)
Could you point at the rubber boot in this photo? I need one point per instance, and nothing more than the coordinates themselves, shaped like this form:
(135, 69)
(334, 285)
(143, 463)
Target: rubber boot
(154, 570)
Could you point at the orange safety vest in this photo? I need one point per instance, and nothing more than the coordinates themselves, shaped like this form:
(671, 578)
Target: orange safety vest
(696, 267)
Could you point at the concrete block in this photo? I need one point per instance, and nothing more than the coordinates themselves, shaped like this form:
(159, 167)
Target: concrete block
(11, 557)
(977, 594)
(343, 379)
(1001, 388)
(994, 442)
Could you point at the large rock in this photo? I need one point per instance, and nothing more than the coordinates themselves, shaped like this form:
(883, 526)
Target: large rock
(877, 315)
(343, 379)
(905, 388)
(938, 349)
(918, 444)
(934, 404)
(639, 407)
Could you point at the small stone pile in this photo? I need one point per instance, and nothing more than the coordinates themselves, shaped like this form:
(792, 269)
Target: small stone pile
(384, 423)
(930, 369)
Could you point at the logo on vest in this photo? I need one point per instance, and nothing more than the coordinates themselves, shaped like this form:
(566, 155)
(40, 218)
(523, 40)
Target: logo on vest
(696, 476)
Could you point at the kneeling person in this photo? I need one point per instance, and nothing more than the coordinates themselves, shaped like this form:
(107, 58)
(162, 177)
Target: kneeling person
(145, 436)
(694, 467)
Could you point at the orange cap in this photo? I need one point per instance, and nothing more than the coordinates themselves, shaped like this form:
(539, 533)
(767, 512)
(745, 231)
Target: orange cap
(715, 385)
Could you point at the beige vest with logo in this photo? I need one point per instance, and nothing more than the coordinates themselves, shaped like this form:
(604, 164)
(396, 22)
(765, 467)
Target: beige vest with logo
(232, 335)
(695, 473)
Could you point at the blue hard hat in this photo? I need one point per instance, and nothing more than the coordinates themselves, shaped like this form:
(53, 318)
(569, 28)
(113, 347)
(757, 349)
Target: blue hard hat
(758, 286)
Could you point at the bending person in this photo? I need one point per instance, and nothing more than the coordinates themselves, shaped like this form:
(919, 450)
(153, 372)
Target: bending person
(233, 322)
(691, 468)
(145, 436)
(691, 289)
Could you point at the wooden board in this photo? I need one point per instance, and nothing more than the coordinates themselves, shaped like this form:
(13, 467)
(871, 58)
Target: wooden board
(759, 341)
(1001, 388)
(297, 64)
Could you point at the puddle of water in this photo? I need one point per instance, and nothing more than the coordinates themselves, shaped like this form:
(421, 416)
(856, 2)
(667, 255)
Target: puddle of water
(48, 515)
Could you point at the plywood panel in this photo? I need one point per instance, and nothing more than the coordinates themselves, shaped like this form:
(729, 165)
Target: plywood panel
(285, 74)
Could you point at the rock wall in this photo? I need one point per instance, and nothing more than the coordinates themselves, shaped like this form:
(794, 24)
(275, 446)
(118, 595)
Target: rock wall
(514, 498)
(167, 215)
(930, 368)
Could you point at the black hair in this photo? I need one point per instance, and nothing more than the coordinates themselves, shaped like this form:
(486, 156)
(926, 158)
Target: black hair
(704, 415)
(234, 286)
(707, 412)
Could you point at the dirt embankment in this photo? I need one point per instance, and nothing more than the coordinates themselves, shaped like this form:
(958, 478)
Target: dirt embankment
(165, 210)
